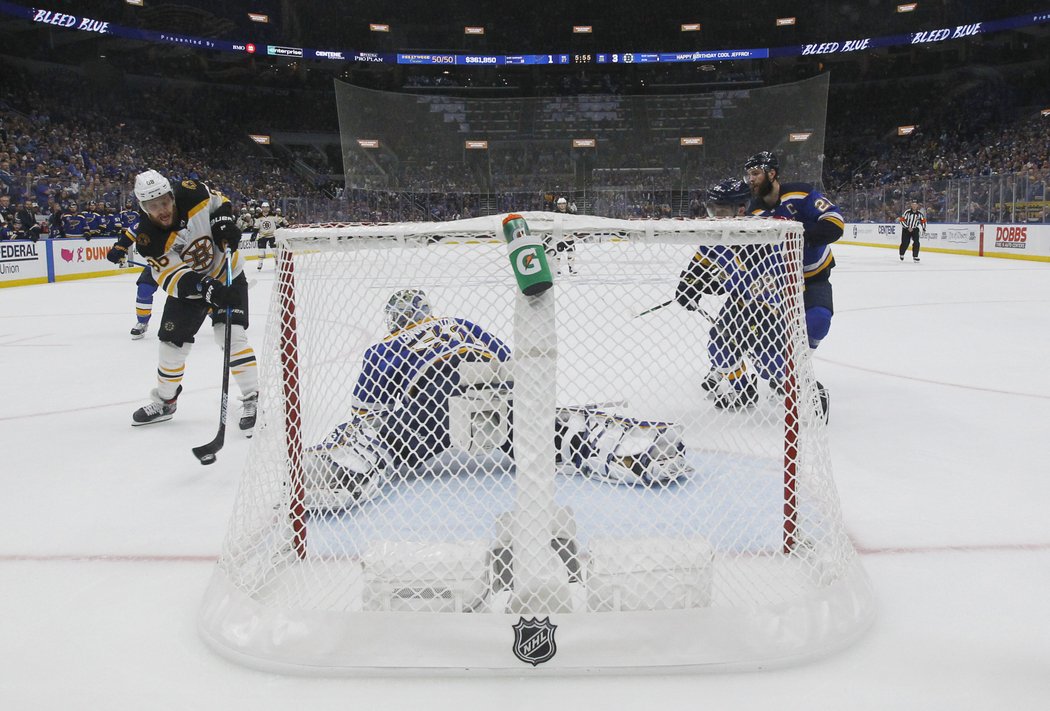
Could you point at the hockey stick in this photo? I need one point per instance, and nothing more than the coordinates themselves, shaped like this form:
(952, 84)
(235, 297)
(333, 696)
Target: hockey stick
(206, 452)
(656, 308)
(702, 312)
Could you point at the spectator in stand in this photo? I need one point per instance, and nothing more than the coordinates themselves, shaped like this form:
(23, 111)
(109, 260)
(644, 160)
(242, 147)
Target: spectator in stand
(26, 226)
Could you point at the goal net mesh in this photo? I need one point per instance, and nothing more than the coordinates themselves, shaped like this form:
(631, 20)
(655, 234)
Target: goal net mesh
(637, 457)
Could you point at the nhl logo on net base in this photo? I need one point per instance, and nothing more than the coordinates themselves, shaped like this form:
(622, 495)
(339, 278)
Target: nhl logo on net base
(534, 640)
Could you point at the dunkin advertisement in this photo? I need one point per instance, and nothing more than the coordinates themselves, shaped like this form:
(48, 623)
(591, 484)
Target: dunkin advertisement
(80, 259)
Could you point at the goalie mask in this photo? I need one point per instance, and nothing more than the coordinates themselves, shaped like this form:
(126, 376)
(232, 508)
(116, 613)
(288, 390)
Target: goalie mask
(405, 308)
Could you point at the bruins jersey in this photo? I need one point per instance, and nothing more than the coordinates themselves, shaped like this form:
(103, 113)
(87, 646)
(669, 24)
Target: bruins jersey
(267, 226)
(821, 220)
(181, 255)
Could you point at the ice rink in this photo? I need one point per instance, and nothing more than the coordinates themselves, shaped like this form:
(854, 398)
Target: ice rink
(940, 437)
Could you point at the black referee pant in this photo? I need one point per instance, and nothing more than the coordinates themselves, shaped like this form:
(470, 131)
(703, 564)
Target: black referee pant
(911, 236)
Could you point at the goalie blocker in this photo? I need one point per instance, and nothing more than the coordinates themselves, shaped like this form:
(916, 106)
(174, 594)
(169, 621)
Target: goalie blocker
(359, 457)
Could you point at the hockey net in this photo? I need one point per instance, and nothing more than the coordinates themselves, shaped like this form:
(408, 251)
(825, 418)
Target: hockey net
(448, 474)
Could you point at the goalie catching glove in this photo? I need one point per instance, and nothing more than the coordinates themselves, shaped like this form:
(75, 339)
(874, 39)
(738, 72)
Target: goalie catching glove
(351, 465)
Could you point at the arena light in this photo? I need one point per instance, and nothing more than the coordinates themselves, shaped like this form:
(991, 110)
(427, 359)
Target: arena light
(691, 27)
(785, 21)
(476, 145)
(906, 130)
(137, 3)
(368, 142)
(469, 30)
(691, 141)
(1044, 113)
(907, 7)
(259, 17)
(377, 27)
(261, 138)
(584, 143)
(799, 136)
(582, 29)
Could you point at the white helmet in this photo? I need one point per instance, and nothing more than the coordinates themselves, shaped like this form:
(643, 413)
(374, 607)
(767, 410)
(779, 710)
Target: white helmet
(562, 201)
(149, 185)
(406, 307)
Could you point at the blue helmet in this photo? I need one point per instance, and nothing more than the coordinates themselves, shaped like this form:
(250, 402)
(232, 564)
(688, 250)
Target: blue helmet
(766, 160)
(731, 191)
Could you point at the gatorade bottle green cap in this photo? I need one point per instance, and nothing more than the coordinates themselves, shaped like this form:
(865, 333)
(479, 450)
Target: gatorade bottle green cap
(527, 256)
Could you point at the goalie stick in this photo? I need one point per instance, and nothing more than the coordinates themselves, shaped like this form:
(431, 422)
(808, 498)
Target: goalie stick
(206, 452)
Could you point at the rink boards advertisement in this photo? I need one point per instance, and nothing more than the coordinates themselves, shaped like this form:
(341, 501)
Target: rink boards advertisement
(1015, 241)
(50, 260)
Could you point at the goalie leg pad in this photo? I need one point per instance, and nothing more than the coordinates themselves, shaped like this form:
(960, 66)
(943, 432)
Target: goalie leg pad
(625, 450)
(350, 466)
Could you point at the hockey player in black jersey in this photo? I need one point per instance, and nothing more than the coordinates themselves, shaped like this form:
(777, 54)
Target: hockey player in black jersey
(182, 233)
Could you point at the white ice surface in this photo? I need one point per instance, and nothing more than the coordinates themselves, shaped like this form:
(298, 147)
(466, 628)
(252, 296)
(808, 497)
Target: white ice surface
(940, 436)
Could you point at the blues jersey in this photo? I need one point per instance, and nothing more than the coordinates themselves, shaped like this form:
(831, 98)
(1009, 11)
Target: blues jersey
(92, 222)
(129, 220)
(408, 379)
(73, 225)
(821, 220)
(410, 362)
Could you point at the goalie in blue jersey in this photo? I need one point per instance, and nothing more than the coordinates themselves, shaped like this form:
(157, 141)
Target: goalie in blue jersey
(437, 384)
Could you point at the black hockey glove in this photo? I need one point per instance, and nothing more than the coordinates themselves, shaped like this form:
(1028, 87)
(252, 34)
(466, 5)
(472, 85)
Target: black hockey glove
(116, 254)
(224, 232)
(217, 294)
(695, 281)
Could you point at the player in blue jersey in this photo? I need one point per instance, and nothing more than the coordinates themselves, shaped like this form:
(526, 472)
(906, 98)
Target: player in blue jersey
(748, 322)
(145, 285)
(72, 222)
(129, 217)
(822, 224)
(92, 220)
(428, 366)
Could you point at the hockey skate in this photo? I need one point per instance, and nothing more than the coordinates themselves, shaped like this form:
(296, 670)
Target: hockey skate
(139, 330)
(160, 410)
(738, 396)
(249, 407)
(914, 259)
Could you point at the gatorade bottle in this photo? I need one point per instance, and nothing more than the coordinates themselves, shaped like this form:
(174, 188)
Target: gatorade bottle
(527, 256)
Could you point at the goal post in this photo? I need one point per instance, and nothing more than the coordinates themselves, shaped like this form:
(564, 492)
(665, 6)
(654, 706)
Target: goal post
(449, 474)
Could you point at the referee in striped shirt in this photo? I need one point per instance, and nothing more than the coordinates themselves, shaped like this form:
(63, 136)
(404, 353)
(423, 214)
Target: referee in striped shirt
(912, 220)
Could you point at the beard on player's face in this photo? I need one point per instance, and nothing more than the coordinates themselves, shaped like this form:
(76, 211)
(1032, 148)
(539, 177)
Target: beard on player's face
(761, 186)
